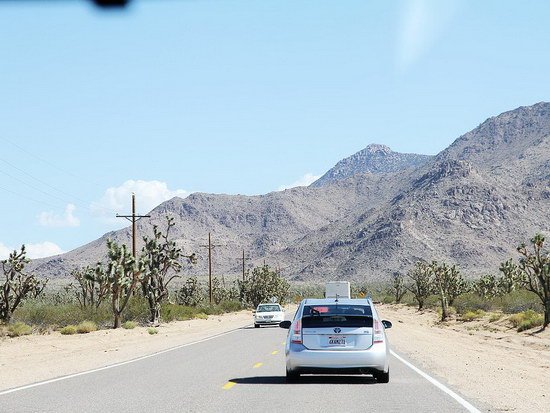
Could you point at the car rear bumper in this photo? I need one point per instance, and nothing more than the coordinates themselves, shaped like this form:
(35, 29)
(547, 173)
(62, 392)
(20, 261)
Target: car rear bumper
(302, 360)
(267, 322)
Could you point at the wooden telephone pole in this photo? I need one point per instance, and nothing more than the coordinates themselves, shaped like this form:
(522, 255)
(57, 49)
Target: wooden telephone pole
(210, 246)
(133, 219)
(244, 258)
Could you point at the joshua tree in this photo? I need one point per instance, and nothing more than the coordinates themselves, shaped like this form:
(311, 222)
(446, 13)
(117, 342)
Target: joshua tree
(93, 286)
(262, 285)
(122, 276)
(397, 287)
(17, 285)
(534, 267)
(421, 287)
(487, 286)
(511, 277)
(448, 284)
(160, 257)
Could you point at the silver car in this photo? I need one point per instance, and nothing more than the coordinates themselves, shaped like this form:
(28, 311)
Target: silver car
(337, 336)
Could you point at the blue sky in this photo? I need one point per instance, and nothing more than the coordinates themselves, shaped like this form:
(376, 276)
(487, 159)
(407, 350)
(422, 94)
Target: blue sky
(232, 96)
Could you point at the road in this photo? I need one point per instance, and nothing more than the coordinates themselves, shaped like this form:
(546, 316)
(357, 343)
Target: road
(241, 371)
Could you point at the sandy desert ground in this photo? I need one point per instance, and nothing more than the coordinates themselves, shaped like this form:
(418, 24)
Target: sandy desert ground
(498, 367)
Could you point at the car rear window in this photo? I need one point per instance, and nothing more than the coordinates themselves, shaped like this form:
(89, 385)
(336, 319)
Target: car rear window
(268, 308)
(316, 316)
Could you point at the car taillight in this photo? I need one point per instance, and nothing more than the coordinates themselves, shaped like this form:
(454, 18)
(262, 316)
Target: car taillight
(378, 332)
(297, 332)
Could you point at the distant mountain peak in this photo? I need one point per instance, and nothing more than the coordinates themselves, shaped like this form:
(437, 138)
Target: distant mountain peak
(375, 158)
(375, 148)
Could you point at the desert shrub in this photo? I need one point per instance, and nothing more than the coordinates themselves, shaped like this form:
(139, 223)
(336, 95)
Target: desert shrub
(86, 327)
(472, 302)
(451, 311)
(230, 306)
(519, 301)
(494, 317)
(152, 330)
(68, 330)
(44, 313)
(299, 292)
(19, 329)
(201, 316)
(176, 312)
(472, 315)
(137, 309)
(526, 320)
(129, 325)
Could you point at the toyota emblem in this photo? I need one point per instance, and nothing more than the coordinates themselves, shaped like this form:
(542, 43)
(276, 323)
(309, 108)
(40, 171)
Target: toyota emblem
(337, 330)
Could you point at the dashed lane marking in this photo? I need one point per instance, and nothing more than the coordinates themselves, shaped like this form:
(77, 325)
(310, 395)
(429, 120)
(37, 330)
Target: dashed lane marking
(229, 385)
(274, 352)
(258, 365)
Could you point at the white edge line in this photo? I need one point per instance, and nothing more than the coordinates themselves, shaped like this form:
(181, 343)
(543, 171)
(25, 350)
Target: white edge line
(82, 373)
(437, 384)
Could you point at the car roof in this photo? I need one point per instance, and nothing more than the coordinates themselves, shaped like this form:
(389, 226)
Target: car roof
(341, 301)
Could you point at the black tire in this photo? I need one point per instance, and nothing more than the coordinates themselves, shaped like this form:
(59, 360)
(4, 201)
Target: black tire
(292, 376)
(382, 377)
(256, 325)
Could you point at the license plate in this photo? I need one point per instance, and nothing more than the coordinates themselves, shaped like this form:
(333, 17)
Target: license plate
(336, 341)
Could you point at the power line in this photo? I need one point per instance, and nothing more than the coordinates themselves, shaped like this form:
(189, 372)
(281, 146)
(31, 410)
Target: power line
(42, 182)
(33, 187)
(49, 163)
(83, 203)
(29, 198)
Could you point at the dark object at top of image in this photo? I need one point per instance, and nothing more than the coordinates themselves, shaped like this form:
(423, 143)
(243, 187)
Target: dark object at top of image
(111, 3)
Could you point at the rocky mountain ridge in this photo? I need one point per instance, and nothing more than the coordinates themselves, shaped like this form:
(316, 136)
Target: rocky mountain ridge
(374, 159)
(471, 205)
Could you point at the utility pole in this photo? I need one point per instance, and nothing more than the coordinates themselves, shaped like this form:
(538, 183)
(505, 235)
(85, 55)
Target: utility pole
(133, 219)
(244, 270)
(210, 246)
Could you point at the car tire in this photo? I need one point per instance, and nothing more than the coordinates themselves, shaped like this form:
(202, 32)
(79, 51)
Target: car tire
(256, 325)
(292, 376)
(382, 377)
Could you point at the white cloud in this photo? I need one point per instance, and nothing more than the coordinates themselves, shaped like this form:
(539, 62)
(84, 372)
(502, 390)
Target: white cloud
(41, 250)
(149, 194)
(423, 21)
(50, 219)
(305, 180)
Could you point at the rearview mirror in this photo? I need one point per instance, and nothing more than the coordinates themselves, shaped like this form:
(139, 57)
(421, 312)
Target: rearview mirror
(285, 324)
(387, 324)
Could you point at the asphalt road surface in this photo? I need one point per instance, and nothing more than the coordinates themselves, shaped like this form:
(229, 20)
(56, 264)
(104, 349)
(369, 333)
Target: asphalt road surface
(241, 371)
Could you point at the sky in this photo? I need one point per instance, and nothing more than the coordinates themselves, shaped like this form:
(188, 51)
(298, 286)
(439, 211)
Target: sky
(170, 97)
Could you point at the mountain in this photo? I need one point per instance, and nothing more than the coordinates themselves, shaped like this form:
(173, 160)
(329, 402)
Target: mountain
(471, 205)
(373, 159)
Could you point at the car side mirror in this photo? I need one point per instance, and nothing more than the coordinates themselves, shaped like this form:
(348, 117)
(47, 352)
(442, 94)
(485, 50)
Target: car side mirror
(386, 323)
(285, 324)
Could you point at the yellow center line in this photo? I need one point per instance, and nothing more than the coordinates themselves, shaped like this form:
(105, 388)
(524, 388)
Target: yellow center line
(283, 343)
(228, 385)
(274, 352)
(258, 365)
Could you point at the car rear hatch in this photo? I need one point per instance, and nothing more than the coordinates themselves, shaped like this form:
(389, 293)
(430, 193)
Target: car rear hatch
(337, 329)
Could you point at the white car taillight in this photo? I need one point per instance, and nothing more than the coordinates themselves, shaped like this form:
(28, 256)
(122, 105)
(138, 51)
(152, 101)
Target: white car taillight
(378, 336)
(296, 336)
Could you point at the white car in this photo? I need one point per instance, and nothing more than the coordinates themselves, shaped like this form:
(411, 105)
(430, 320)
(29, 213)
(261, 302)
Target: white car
(337, 336)
(268, 314)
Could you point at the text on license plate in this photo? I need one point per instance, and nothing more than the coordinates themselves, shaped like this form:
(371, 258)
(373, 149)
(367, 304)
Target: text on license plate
(336, 341)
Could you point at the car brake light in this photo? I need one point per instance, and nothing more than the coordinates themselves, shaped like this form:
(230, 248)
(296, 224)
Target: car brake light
(297, 332)
(378, 332)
